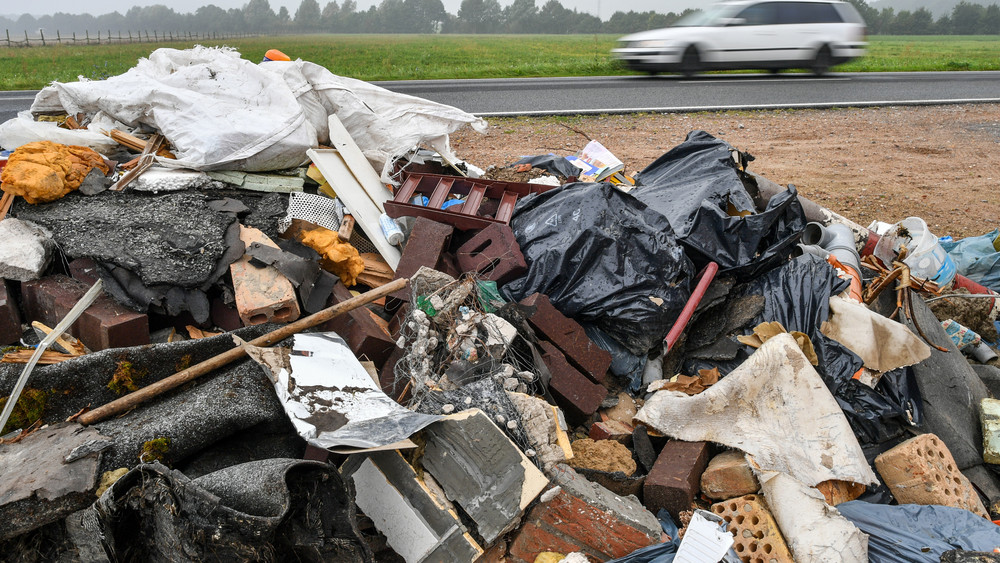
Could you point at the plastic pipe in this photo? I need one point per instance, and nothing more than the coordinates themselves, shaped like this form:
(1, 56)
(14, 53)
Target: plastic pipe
(706, 276)
(801, 249)
(836, 239)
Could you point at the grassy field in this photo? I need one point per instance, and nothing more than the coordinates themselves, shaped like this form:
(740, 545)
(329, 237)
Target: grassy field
(406, 57)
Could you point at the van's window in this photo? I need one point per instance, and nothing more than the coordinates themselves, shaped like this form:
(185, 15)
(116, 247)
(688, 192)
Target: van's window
(708, 16)
(809, 12)
(765, 13)
(849, 13)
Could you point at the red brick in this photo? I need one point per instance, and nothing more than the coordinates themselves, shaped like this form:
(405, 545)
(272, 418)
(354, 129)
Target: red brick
(105, 324)
(569, 337)
(576, 394)
(365, 332)
(566, 524)
(611, 430)
(10, 317)
(492, 253)
(426, 247)
(674, 480)
(532, 539)
(85, 270)
(387, 375)
(224, 316)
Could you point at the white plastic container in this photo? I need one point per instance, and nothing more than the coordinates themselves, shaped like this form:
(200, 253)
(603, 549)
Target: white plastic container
(925, 256)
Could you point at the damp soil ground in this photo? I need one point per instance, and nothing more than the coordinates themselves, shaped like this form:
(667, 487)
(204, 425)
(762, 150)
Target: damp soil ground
(935, 162)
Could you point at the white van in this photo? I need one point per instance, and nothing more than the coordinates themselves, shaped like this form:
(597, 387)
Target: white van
(772, 34)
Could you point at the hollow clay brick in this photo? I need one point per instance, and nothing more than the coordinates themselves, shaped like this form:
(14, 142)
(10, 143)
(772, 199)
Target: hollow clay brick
(757, 537)
(493, 253)
(569, 337)
(579, 396)
(263, 294)
(922, 470)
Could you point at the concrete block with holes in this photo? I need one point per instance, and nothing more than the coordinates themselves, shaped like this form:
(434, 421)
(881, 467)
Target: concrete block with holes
(922, 470)
(758, 538)
(263, 294)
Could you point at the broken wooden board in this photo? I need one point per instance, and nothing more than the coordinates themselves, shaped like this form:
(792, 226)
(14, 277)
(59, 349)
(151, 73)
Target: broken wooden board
(48, 475)
(482, 471)
(356, 199)
(417, 525)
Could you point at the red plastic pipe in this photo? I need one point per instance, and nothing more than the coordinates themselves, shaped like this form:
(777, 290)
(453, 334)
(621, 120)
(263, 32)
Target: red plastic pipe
(705, 278)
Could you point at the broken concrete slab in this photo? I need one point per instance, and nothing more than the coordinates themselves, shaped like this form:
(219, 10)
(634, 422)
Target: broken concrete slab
(25, 250)
(37, 483)
(418, 525)
(482, 471)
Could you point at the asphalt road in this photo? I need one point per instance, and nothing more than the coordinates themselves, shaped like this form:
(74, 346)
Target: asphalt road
(625, 94)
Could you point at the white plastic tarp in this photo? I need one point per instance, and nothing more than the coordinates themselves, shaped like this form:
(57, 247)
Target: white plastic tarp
(775, 407)
(223, 112)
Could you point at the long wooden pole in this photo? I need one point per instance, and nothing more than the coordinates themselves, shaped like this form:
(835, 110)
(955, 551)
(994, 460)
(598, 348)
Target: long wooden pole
(148, 392)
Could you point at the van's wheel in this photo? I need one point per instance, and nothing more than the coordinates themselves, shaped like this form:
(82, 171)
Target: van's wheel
(690, 62)
(821, 64)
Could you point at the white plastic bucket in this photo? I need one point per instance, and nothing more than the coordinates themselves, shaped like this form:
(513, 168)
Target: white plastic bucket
(925, 256)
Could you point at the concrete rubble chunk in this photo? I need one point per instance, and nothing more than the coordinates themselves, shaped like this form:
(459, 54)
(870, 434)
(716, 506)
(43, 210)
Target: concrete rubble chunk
(482, 471)
(25, 250)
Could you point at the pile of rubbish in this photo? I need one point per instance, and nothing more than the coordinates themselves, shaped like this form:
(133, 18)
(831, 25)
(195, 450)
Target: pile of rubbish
(263, 312)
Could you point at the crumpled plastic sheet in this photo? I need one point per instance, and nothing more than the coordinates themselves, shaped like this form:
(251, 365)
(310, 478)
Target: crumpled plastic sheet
(697, 186)
(977, 259)
(909, 533)
(259, 511)
(222, 112)
(602, 257)
(551, 163)
(775, 408)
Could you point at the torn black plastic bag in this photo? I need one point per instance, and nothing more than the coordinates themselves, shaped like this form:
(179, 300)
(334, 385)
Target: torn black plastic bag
(602, 256)
(270, 510)
(911, 533)
(697, 185)
(797, 295)
(551, 163)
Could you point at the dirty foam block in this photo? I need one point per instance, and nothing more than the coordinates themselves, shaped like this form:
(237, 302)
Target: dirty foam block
(417, 525)
(10, 317)
(728, 476)
(757, 536)
(493, 254)
(37, 485)
(263, 294)
(365, 332)
(675, 478)
(25, 250)
(425, 247)
(482, 471)
(579, 396)
(579, 515)
(569, 337)
(105, 324)
(921, 470)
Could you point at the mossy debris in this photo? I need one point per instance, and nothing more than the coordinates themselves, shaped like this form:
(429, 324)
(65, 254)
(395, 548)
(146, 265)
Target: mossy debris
(126, 378)
(154, 450)
(29, 408)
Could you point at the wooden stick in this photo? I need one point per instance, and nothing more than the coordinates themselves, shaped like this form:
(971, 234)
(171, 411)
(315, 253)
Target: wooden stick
(5, 202)
(148, 392)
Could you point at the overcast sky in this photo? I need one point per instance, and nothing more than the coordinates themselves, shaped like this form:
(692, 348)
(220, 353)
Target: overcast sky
(97, 7)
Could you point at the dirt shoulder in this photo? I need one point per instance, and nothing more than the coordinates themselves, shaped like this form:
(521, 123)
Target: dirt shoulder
(941, 163)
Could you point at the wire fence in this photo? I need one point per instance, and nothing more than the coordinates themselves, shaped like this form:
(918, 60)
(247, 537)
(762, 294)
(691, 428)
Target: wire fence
(106, 38)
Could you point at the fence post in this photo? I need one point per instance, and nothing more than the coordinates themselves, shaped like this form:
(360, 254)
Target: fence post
(26, 42)
(8, 37)
(58, 38)
(42, 33)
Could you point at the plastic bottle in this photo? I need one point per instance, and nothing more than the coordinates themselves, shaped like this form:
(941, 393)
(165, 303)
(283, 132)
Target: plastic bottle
(390, 229)
(926, 257)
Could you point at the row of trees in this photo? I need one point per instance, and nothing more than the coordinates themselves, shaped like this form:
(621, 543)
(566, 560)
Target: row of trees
(474, 16)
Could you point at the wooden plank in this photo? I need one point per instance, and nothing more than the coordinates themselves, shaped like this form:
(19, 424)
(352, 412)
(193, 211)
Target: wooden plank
(358, 164)
(366, 214)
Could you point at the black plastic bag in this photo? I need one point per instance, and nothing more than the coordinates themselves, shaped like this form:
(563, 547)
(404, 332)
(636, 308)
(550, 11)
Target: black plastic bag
(552, 164)
(601, 256)
(885, 412)
(698, 187)
(910, 532)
